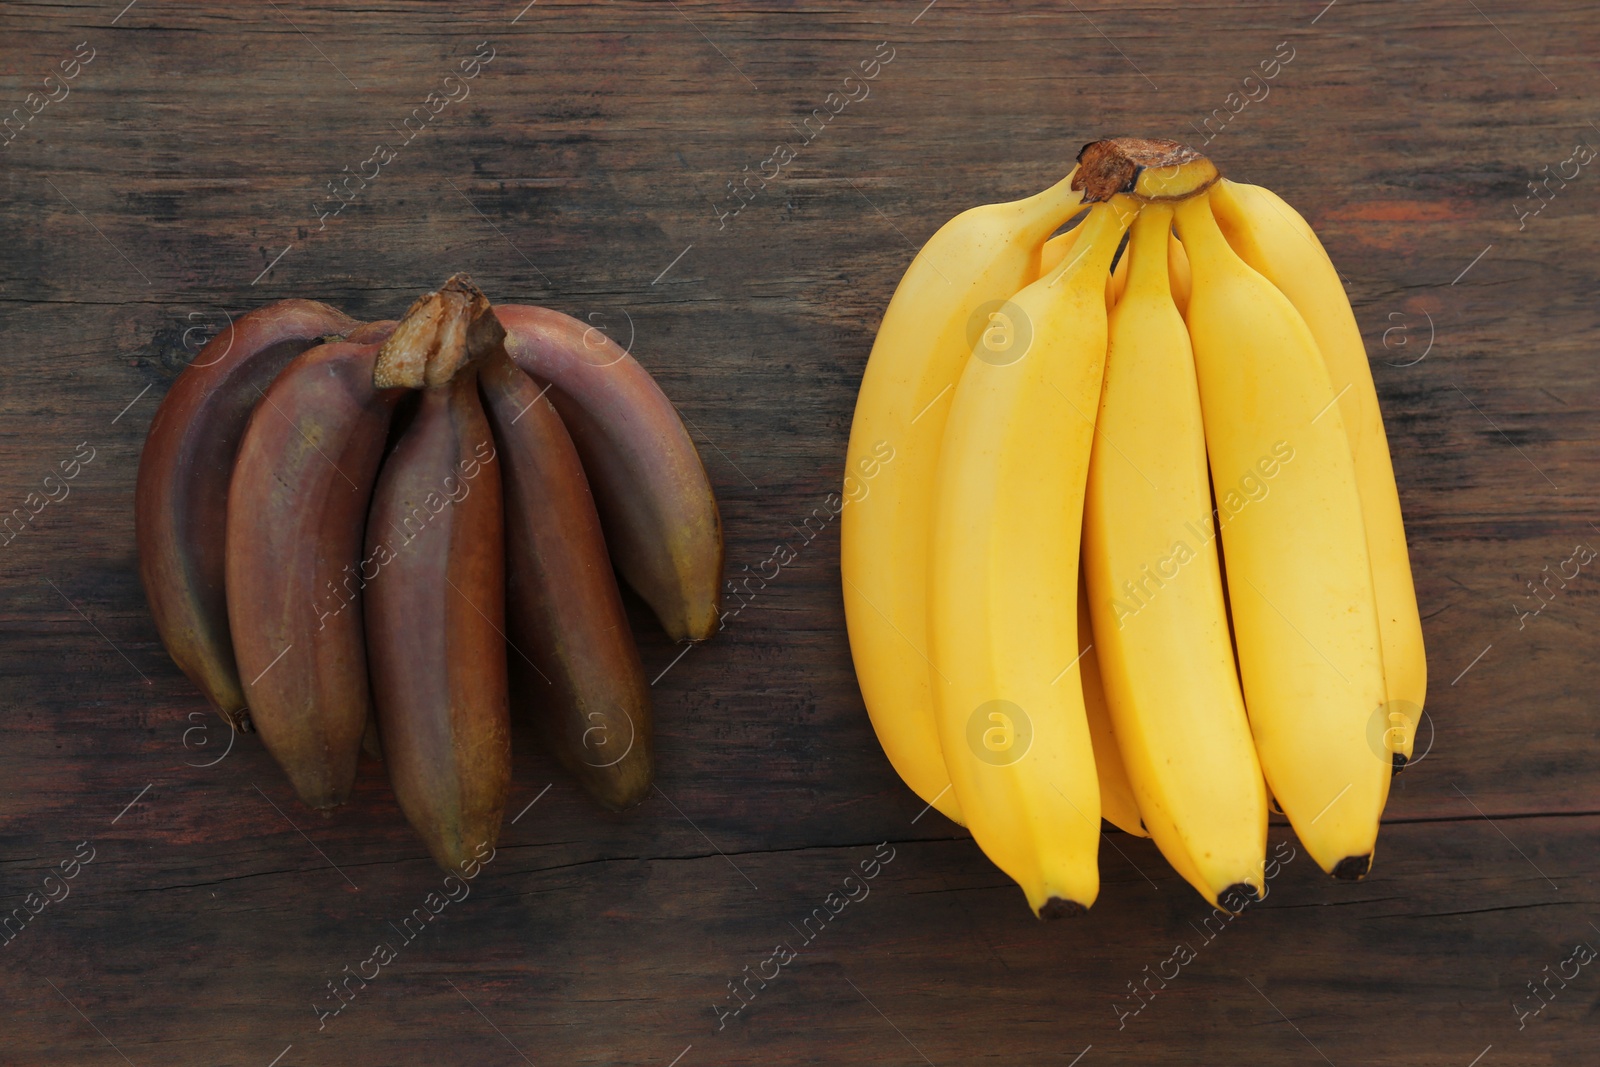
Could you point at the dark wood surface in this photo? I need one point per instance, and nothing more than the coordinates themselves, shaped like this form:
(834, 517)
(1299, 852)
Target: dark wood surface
(179, 180)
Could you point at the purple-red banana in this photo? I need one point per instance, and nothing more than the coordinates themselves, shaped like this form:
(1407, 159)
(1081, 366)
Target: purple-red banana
(297, 512)
(180, 502)
(435, 608)
(573, 661)
(655, 501)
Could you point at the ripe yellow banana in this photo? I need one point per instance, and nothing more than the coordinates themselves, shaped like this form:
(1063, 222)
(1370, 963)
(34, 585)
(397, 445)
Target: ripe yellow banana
(1271, 236)
(1117, 804)
(1150, 560)
(952, 295)
(1002, 626)
(1302, 597)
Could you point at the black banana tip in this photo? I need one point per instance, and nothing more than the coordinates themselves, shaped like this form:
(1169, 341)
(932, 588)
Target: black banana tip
(1056, 908)
(1353, 868)
(1400, 762)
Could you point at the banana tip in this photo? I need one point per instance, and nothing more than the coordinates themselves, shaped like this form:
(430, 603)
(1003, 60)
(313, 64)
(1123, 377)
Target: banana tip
(1056, 908)
(1352, 868)
(1400, 762)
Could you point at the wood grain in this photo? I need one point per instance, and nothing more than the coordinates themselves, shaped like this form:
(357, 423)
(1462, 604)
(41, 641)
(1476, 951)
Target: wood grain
(179, 180)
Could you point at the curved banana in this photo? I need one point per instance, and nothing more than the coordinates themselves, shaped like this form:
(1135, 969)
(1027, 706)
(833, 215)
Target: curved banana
(954, 294)
(1302, 598)
(435, 610)
(655, 501)
(297, 513)
(1117, 804)
(582, 681)
(1002, 628)
(1150, 559)
(181, 498)
(1271, 236)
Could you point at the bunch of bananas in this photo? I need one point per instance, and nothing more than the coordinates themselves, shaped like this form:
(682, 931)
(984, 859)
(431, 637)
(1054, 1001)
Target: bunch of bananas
(1213, 387)
(342, 528)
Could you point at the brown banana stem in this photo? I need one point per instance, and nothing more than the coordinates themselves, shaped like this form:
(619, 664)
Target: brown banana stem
(1141, 167)
(180, 502)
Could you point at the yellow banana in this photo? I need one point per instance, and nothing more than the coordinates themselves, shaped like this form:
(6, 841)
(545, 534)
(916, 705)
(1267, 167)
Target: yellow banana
(1119, 279)
(1117, 804)
(1002, 632)
(1178, 272)
(1302, 597)
(1150, 561)
(953, 293)
(1055, 250)
(1271, 236)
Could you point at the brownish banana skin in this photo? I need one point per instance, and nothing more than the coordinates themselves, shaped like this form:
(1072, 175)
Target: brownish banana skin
(435, 610)
(582, 680)
(655, 501)
(180, 500)
(297, 511)
(372, 333)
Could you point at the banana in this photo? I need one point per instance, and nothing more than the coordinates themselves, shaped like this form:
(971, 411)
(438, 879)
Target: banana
(582, 679)
(655, 501)
(297, 509)
(953, 294)
(435, 609)
(181, 497)
(1119, 280)
(1117, 803)
(1002, 630)
(1271, 236)
(1150, 560)
(372, 333)
(1055, 250)
(1302, 598)
(1058, 247)
(1178, 273)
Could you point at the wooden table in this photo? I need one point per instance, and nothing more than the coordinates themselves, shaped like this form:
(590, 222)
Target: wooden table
(181, 174)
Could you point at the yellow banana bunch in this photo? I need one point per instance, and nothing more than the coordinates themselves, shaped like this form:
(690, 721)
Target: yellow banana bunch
(1196, 413)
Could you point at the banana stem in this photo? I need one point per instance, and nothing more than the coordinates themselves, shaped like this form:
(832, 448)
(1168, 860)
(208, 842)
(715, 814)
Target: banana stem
(439, 334)
(1143, 168)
